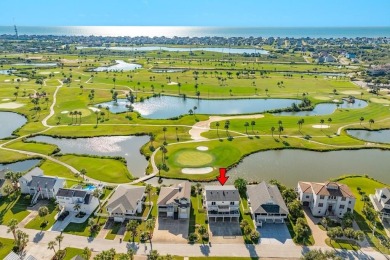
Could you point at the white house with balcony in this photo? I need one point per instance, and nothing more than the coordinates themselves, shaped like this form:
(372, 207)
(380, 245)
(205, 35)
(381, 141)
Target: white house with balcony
(266, 204)
(40, 186)
(326, 199)
(126, 202)
(175, 201)
(222, 203)
(381, 202)
(68, 198)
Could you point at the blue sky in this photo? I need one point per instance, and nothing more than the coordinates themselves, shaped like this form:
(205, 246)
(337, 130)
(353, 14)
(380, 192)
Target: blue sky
(286, 13)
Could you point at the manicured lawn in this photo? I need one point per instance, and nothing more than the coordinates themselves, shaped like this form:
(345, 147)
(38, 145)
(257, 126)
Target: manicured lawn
(13, 209)
(367, 186)
(72, 252)
(8, 244)
(33, 147)
(198, 216)
(36, 223)
(247, 217)
(83, 229)
(113, 231)
(343, 244)
(108, 170)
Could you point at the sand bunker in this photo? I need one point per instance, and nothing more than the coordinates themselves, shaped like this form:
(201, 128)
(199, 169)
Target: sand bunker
(320, 126)
(202, 170)
(65, 112)
(94, 109)
(5, 99)
(351, 92)
(11, 105)
(380, 101)
(21, 79)
(173, 83)
(322, 98)
(7, 80)
(202, 148)
(336, 100)
(44, 72)
(77, 80)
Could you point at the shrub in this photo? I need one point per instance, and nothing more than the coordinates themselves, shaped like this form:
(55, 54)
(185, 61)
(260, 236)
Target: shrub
(255, 236)
(193, 237)
(205, 236)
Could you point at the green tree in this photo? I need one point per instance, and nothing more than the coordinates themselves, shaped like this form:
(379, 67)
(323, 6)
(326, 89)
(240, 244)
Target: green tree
(246, 127)
(240, 185)
(87, 253)
(42, 212)
(272, 131)
(319, 255)
(371, 121)
(132, 227)
(13, 227)
(21, 240)
(253, 123)
(83, 172)
(59, 239)
(51, 245)
(361, 120)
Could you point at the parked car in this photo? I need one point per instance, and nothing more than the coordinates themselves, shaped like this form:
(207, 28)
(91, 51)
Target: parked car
(63, 215)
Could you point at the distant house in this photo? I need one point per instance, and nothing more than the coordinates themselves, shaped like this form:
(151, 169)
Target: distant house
(222, 203)
(126, 202)
(40, 186)
(13, 256)
(381, 202)
(2, 180)
(326, 199)
(175, 201)
(266, 203)
(68, 198)
(349, 55)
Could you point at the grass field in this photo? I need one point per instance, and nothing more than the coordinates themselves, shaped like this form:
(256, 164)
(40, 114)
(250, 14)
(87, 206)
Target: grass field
(13, 208)
(8, 244)
(342, 244)
(36, 223)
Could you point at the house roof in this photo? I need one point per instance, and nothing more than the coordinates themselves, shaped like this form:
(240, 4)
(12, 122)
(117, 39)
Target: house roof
(326, 189)
(266, 198)
(44, 181)
(2, 173)
(173, 194)
(13, 256)
(222, 193)
(385, 197)
(71, 193)
(34, 172)
(77, 257)
(125, 198)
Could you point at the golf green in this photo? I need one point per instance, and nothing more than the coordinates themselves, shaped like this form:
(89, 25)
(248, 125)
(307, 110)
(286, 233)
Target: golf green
(193, 158)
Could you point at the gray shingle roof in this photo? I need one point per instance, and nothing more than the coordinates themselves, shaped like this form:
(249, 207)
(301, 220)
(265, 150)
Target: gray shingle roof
(125, 198)
(43, 182)
(173, 194)
(34, 172)
(266, 198)
(222, 193)
(385, 195)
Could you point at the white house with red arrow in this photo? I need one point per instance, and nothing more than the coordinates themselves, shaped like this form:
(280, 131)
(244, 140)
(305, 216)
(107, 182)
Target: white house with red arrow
(222, 203)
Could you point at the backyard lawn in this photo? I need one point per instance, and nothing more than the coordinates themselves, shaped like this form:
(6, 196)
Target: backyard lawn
(13, 208)
(197, 215)
(37, 222)
(72, 252)
(7, 245)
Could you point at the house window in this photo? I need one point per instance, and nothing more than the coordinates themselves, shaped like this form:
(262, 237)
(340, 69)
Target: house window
(342, 206)
(320, 205)
(322, 197)
(213, 203)
(343, 199)
(319, 212)
(231, 202)
(350, 202)
(332, 197)
(307, 196)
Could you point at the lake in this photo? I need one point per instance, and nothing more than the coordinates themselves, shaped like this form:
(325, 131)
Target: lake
(124, 146)
(21, 166)
(14, 121)
(6, 72)
(327, 108)
(167, 70)
(168, 107)
(381, 136)
(119, 66)
(36, 64)
(291, 166)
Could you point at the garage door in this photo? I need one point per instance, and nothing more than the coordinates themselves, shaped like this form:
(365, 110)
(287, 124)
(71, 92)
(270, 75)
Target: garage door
(183, 215)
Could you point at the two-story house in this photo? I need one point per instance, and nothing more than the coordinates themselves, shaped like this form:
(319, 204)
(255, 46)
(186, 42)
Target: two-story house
(126, 202)
(326, 199)
(266, 204)
(222, 203)
(175, 201)
(68, 198)
(40, 186)
(381, 202)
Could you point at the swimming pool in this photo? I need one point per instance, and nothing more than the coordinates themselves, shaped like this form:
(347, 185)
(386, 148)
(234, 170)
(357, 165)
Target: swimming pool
(89, 188)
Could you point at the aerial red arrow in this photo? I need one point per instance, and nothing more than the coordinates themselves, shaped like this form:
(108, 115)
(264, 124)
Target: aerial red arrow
(222, 178)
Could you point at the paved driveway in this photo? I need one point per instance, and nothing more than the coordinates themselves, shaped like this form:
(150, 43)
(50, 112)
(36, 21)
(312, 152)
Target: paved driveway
(275, 234)
(169, 230)
(225, 232)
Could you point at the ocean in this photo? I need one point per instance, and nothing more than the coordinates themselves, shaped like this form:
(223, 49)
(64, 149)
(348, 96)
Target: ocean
(181, 31)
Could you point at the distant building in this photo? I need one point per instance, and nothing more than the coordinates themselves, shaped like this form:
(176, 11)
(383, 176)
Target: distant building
(13, 256)
(126, 202)
(266, 203)
(381, 202)
(2, 180)
(326, 199)
(68, 198)
(175, 201)
(40, 186)
(349, 55)
(222, 203)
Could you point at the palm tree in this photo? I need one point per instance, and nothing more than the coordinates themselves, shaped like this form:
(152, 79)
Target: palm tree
(246, 127)
(97, 194)
(281, 128)
(80, 114)
(159, 167)
(131, 253)
(164, 130)
(253, 123)
(149, 225)
(217, 125)
(59, 239)
(361, 120)
(14, 178)
(322, 121)
(227, 124)
(97, 117)
(280, 122)
(77, 207)
(114, 80)
(108, 112)
(87, 253)
(59, 120)
(329, 121)
(22, 240)
(83, 172)
(42, 212)
(71, 114)
(195, 108)
(132, 227)
(52, 245)
(371, 121)
(272, 131)
(266, 91)
(148, 190)
(240, 184)
(13, 227)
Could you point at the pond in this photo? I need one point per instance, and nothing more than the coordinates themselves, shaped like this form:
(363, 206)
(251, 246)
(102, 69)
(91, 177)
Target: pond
(127, 147)
(184, 49)
(36, 64)
(119, 66)
(381, 136)
(167, 70)
(327, 108)
(14, 121)
(6, 72)
(21, 166)
(291, 166)
(168, 107)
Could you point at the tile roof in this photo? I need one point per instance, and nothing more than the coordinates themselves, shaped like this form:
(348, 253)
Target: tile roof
(173, 194)
(221, 193)
(125, 198)
(326, 189)
(266, 198)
